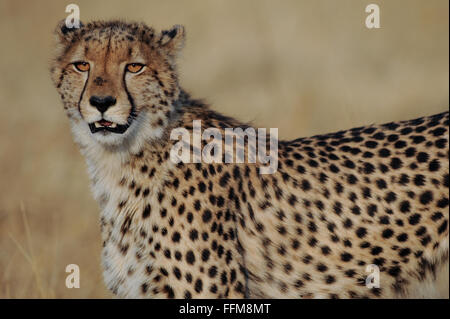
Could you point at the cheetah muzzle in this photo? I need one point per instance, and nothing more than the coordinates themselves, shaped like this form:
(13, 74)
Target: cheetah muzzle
(106, 126)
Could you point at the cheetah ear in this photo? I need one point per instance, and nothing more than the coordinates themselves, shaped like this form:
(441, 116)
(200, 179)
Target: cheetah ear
(172, 41)
(64, 33)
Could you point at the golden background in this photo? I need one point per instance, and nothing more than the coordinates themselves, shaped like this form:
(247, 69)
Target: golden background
(306, 67)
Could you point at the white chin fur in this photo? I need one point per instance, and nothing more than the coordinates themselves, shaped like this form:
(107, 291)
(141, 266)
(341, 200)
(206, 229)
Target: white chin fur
(131, 140)
(110, 138)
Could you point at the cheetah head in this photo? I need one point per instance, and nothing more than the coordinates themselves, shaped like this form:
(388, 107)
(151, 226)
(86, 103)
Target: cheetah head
(117, 80)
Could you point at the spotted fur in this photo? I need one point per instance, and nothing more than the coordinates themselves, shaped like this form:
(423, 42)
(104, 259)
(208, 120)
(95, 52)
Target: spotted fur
(339, 202)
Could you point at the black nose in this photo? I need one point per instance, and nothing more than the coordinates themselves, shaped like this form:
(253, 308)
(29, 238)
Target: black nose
(102, 103)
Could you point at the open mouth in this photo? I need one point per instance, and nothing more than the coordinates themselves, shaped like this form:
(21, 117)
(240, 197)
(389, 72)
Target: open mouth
(103, 126)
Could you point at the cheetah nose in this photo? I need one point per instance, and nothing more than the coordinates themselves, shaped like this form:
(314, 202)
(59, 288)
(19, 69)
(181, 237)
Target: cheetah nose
(102, 103)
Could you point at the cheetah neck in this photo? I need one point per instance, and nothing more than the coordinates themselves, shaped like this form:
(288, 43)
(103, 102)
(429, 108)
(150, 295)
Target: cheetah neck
(110, 166)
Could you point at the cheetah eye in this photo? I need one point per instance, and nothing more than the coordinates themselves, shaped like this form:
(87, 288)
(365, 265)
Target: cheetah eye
(134, 67)
(81, 66)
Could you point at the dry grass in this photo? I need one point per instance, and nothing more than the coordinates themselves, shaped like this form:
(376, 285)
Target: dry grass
(306, 67)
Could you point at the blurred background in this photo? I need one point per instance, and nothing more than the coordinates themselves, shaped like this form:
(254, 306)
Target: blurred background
(306, 67)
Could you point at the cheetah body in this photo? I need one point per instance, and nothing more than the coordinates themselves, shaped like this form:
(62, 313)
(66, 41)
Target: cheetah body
(338, 203)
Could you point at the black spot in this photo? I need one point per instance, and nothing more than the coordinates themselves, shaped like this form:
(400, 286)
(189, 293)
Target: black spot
(212, 272)
(349, 164)
(144, 287)
(392, 137)
(350, 273)
(305, 185)
(368, 155)
(396, 163)
(348, 223)
(178, 255)
(384, 152)
(146, 211)
(405, 206)
(281, 230)
(371, 144)
(402, 237)
(410, 152)
(404, 252)
(206, 216)
(379, 136)
(346, 256)
(443, 227)
(422, 157)
(400, 144)
(368, 168)
(372, 209)
(223, 278)
(334, 168)
(356, 210)
(313, 163)
(190, 257)
(387, 233)
(198, 285)
(164, 271)
(438, 215)
(205, 254)
(361, 232)
(419, 180)
(213, 288)
(384, 220)
(169, 291)
(367, 192)
(383, 168)
(426, 197)
(201, 187)
(292, 200)
(326, 250)
(394, 271)
(381, 184)
(434, 165)
(414, 219)
(406, 130)
(364, 244)
(352, 179)
(425, 240)
(181, 209)
(442, 203)
(329, 279)
(439, 131)
(312, 242)
(441, 143)
(376, 250)
(224, 179)
(193, 234)
(404, 179)
(322, 268)
(390, 197)
(177, 272)
(176, 237)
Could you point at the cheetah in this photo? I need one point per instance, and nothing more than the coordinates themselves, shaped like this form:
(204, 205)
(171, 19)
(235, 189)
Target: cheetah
(338, 203)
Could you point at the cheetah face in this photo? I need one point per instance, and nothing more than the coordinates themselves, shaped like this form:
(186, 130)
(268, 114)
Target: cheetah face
(117, 80)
